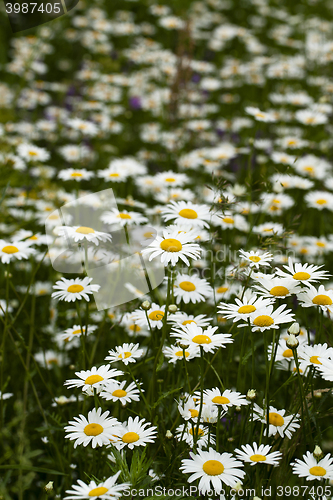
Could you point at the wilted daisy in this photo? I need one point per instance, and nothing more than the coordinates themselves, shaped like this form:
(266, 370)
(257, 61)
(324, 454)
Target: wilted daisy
(135, 432)
(279, 423)
(96, 378)
(74, 289)
(194, 335)
(191, 289)
(116, 391)
(98, 429)
(186, 212)
(258, 454)
(14, 250)
(312, 469)
(256, 258)
(302, 273)
(266, 318)
(225, 399)
(81, 233)
(107, 489)
(322, 298)
(127, 353)
(214, 469)
(173, 246)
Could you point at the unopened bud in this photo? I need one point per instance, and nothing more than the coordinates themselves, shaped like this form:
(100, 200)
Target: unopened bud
(238, 409)
(172, 308)
(183, 345)
(251, 395)
(292, 342)
(145, 305)
(317, 394)
(318, 453)
(231, 439)
(294, 329)
(48, 487)
(168, 434)
(62, 400)
(72, 367)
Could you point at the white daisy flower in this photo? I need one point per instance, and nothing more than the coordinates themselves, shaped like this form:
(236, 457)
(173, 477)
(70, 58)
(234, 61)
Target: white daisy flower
(106, 490)
(260, 116)
(96, 378)
(127, 353)
(76, 174)
(170, 179)
(275, 286)
(123, 218)
(175, 353)
(113, 174)
(312, 469)
(302, 273)
(256, 258)
(188, 407)
(326, 369)
(243, 307)
(319, 200)
(188, 213)
(16, 250)
(226, 399)
(183, 318)
(279, 423)
(213, 469)
(173, 246)
(70, 334)
(98, 429)
(191, 289)
(313, 355)
(80, 233)
(322, 298)
(29, 152)
(264, 319)
(74, 289)
(115, 391)
(135, 433)
(195, 336)
(258, 454)
(155, 316)
(184, 432)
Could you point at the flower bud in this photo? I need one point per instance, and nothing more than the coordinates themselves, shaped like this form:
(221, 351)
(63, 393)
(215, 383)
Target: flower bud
(168, 434)
(294, 329)
(292, 342)
(172, 308)
(145, 305)
(251, 395)
(317, 394)
(318, 453)
(48, 487)
(183, 345)
(238, 409)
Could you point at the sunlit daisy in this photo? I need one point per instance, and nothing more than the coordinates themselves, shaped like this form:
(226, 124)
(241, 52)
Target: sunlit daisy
(191, 289)
(256, 258)
(116, 391)
(123, 218)
(302, 273)
(176, 353)
(225, 399)
(314, 355)
(127, 353)
(243, 307)
(326, 369)
(214, 469)
(96, 378)
(312, 469)
(194, 335)
(14, 250)
(185, 319)
(322, 298)
(276, 287)
(266, 318)
(258, 454)
(74, 289)
(279, 423)
(81, 233)
(155, 316)
(98, 429)
(135, 432)
(186, 212)
(107, 489)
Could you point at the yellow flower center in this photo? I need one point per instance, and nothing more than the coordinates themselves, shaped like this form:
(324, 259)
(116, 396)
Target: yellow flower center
(188, 321)
(188, 213)
(84, 230)
(114, 175)
(171, 245)
(288, 353)
(93, 429)
(156, 315)
(275, 419)
(32, 153)
(119, 393)
(126, 354)
(200, 432)
(180, 354)
(315, 360)
(263, 320)
(213, 467)
(187, 286)
(309, 169)
(10, 249)
(134, 328)
(258, 458)
(124, 216)
(194, 413)
(148, 234)
(301, 276)
(322, 300)
(260, 115)
(35, 238)
(170, 179)
(220, 400)
(321, 201)
(201, 339)
(97, 492)
(320, 244)
(77, 332)
(279, 291)
(246, 309)
(130, 437)
(317, 471)
(75, 288)
(254, 258)
(228, 220)
(76, 174)
(93, 379)
(222, 289)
